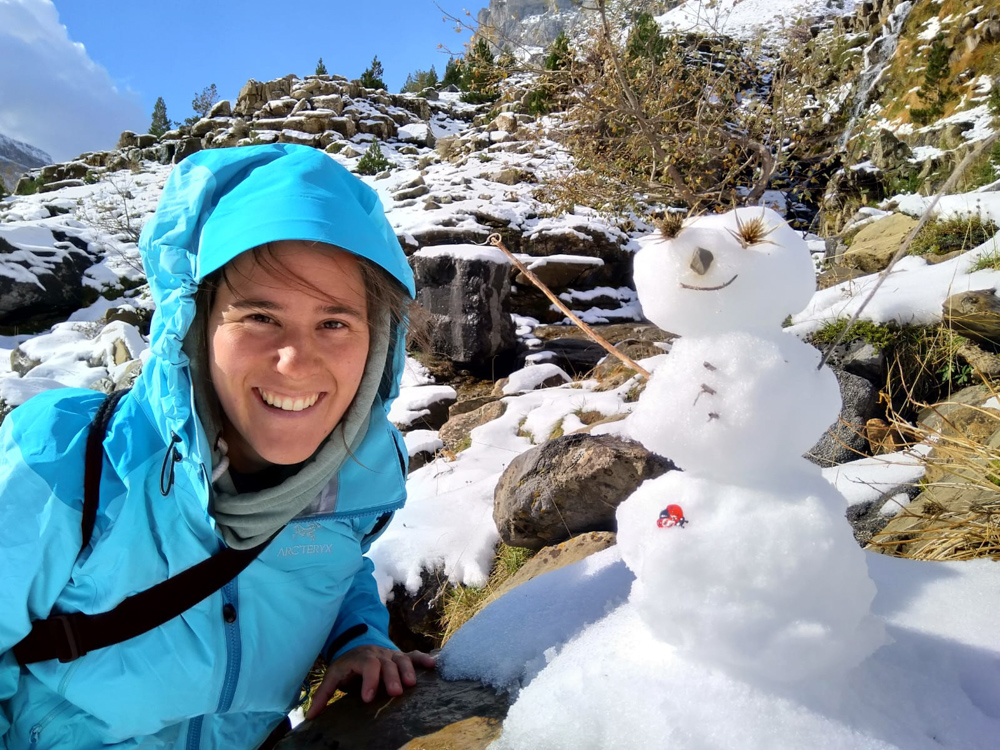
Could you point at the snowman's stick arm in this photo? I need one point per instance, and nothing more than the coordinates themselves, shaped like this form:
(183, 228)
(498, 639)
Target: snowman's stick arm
(905, 247)
(497, 241)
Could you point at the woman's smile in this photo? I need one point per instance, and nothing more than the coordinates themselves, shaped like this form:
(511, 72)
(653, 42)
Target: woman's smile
(288, 403)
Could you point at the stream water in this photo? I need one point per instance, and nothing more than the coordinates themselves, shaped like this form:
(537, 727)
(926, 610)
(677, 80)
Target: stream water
(877, 57)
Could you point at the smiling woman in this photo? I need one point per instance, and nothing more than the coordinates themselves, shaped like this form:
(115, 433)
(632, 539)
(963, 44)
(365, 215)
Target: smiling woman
(259, 420)
(286, 354)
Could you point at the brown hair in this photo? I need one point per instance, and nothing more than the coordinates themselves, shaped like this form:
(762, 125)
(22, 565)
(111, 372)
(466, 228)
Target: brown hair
(383, 294)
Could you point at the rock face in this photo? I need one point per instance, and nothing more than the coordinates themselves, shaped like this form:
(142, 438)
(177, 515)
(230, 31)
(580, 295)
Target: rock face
(415, 619)
(974, 314)
(456, 430)
(873, 247)
(432, 715)
(42, 281)
(846, 440)
(521, 24)
(569, 486)
(468, 306)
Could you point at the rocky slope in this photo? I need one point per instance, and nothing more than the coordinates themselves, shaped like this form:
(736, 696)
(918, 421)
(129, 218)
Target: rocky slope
(528, 27)
(17, 157)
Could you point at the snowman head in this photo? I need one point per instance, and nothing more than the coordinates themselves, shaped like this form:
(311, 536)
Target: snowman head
(743, 270)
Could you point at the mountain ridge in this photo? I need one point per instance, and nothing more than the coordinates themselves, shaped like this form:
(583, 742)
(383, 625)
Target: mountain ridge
(17, 157)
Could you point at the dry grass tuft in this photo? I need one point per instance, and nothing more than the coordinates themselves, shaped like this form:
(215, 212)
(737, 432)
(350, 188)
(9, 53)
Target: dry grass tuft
(940, 534)
(752, 232)
(462, 603)
(670, 224)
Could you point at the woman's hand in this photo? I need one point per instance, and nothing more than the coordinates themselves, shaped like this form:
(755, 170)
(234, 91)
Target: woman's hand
(372, 664)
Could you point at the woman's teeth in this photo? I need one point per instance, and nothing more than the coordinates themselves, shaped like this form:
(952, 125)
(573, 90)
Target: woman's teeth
(287, 403)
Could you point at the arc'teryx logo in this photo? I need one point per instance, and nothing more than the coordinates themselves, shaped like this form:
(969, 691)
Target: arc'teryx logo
(305, 531)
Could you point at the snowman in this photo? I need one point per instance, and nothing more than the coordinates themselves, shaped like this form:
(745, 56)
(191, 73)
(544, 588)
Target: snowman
(763, 578)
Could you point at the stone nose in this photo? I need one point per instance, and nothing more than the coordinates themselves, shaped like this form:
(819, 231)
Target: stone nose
(701, 261)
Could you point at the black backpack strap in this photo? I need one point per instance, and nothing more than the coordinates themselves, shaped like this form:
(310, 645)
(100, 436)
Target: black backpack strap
(94, 462)
(68, 637)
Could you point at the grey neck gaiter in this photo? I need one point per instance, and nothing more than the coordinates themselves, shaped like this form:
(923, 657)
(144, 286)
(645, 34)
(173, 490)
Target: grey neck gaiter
(248, 519)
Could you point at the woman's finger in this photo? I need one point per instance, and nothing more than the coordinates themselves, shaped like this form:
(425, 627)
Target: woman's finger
(422, 660)
(371, 670)
(390, 673)
(407, 674)
(331, 680)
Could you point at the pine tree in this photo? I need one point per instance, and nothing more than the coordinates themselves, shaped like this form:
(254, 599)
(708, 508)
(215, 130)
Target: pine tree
(202, 103)
(480, 74)
(453, 73)
(432, 78)
(159, 124)
(931, 91)
(645, 40)
(373, 161)
(559, 56)
(410, 85)
(321, 68)
(372, 77)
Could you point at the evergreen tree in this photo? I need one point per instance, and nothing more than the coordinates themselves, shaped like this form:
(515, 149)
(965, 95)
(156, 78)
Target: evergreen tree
(453, 73)
(373, 161)
(559, 56)
(480, 74)
(159, 124)
(931, 91)
(372, 77)
(202, 103)
(321, 68)
(645, 40)
(420, 80)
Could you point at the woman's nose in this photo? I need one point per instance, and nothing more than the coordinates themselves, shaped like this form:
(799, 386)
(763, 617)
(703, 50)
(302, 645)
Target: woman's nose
(297, 355)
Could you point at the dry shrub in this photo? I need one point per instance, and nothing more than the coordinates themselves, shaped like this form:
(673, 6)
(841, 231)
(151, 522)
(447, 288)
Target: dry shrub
(963, 470)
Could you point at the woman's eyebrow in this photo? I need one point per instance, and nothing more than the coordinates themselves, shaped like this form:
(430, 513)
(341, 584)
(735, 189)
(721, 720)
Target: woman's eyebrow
(338, 308)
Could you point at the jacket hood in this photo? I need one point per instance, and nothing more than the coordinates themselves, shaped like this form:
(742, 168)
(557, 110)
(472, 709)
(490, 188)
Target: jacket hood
(219, 203)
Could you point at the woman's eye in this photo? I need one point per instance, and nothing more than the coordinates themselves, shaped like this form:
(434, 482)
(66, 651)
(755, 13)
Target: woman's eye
(334, 324)
(260, 318)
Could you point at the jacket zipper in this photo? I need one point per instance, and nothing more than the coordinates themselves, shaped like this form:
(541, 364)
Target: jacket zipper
(234, 648)
(37, 729)
(234, 657)
(55, 713)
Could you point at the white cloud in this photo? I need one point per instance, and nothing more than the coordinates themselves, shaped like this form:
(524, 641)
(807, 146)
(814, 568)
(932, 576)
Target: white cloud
(52, 95)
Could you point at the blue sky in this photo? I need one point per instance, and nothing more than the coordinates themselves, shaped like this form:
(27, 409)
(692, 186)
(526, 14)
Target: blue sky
(74, 73)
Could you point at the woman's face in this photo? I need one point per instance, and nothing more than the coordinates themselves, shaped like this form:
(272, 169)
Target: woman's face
(286, 362)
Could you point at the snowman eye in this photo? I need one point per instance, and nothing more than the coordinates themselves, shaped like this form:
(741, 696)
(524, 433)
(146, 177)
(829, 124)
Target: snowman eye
(701, 261)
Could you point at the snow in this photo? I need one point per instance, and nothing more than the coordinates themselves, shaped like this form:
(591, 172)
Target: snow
(15, 391)
(612, 684)
(464, 252)
(912, 294)
(743, 19)
(868, 479)
(422, 441)
(415, 401)
(529, 378)
(681, 637)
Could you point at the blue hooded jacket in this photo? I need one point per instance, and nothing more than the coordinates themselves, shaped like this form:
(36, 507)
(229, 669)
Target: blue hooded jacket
(202, 680)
